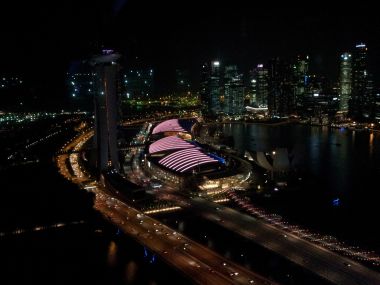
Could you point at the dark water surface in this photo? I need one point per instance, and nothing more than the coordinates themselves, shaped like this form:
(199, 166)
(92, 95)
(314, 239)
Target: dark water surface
(337, 163)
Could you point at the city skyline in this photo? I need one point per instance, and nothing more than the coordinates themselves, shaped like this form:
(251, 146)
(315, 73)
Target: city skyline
(189, 142)
(233, 35)
(82, 75)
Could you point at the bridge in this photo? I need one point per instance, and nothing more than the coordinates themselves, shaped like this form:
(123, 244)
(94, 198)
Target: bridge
(198, 263)
(202, 265)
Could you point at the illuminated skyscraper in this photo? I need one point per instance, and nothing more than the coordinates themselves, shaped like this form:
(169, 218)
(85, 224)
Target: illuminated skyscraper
(106, 109)
(377, 106)
(361, 103)
(204, 88)
(233, 91)
(210, 88)
(215, 88)
(251, 89)
(300, 71)
(345, 81)
(262, 86)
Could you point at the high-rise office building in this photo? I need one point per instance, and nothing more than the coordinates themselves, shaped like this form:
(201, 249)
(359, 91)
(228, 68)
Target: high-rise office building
(215, 88)
(211, 90)
(321, 98)
(204, 91)
(106, 109)
(233, 103)
(377, 106)
(369, 99)
(262, 87)
(300, 73)
(345, 81)
(361, 103)
(281, 97)
(251, 89)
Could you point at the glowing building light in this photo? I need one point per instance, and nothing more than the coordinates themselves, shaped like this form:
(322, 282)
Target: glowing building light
(186, 159)
(169, 143)
(169, 125)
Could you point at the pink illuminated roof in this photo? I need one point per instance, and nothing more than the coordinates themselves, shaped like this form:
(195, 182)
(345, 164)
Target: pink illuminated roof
(169, 143)
(168, 126)
(186, 159)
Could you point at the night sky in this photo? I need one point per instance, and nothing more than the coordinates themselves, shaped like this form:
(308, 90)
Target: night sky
(40, 40)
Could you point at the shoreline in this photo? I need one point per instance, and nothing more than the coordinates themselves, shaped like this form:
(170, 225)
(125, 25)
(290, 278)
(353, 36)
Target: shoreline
(298, 123)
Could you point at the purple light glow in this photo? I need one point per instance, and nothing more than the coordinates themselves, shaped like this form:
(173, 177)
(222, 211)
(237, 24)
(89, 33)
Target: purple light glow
(186, 159)
(173, 159)
(169, 143)
(107, 51)
(168, 126)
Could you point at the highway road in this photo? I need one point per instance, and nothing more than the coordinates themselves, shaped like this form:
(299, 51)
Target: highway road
(199, 263)
(204, 266)
(329, 265)
(69, 154)
(321, 261)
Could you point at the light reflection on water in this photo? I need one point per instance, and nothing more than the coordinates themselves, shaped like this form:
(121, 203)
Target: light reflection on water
(340, 164)
(130, 272)
(339, 157)
(112, 254)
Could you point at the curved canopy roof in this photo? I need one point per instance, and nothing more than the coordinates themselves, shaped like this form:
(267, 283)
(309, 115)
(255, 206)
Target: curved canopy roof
(169, 143)
(174, 125)
(186, 159)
